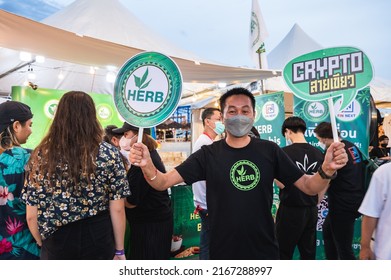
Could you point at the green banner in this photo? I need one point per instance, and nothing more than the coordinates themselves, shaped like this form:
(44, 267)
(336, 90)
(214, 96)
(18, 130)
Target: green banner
(270, 114)
(353, 122)
(43, 103)
(187, 224)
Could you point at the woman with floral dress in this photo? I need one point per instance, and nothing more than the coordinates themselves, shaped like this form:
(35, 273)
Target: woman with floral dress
(76, 187)
(16, 241)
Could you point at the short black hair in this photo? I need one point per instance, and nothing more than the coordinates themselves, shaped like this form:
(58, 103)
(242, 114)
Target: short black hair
(236, 91)
(383, 137)
(207, 113)
(324, 130)
(296, 124)
(109, 133)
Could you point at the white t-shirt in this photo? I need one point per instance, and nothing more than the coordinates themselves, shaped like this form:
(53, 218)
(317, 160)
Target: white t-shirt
(199, 188)
(377, 204)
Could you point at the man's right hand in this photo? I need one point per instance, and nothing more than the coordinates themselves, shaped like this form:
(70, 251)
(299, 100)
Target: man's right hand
(139, 155)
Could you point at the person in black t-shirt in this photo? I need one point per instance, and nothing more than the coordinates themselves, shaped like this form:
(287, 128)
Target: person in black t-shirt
(297, 214)
(381, 152)
(345, 195)
(148, 211)
(239, 171)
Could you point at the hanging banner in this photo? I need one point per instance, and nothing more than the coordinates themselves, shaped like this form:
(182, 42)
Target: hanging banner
(270, 114)
(43, 103)
(187, 224)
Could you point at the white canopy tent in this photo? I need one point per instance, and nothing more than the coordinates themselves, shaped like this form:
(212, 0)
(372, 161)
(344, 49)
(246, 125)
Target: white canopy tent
(85, 38)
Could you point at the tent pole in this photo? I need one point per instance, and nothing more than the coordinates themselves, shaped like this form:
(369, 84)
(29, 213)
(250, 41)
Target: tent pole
(16, 68)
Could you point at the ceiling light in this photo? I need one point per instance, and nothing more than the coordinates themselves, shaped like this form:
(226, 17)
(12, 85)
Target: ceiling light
(25, 56)
(110, 77)
(40, 59)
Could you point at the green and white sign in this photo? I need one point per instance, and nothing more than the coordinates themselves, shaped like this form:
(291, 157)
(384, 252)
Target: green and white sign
(353, 121)
(148, 89)
(270, 114)
(43, 103)
(326, 73)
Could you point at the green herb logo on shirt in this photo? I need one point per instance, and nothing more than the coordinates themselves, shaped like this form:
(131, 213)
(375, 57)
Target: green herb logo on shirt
(244, 175)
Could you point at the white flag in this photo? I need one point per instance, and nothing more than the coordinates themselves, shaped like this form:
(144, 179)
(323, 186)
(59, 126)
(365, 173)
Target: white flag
(258, 34)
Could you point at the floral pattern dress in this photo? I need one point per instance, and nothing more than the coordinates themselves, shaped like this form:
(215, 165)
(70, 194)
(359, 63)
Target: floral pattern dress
(65, 202)
(16, 241)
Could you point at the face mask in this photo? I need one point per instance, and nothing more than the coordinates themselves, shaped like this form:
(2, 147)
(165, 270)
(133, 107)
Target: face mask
(239, 125)
(384, 145)
(322, 145)
(219, 128)
(124, 143)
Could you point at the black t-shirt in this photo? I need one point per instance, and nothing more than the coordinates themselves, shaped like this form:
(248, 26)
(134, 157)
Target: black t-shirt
(239, 192)
(379, 152)
(152, 205)
(346, 191)
(308, 159)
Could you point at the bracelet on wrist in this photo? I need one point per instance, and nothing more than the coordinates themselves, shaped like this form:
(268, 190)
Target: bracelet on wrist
(323, 175)
(154, 177)
(120, 252)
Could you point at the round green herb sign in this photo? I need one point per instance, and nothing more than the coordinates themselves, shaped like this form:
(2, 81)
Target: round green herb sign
(148, 89)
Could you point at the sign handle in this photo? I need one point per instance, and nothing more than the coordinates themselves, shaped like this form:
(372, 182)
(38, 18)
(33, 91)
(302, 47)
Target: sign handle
(140, 135)
(333, 120)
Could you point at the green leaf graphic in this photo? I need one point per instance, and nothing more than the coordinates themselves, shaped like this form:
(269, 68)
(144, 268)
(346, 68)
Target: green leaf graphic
(137, 81)
(140, 82)
(242, 172)
(145, 85)
(144, 77)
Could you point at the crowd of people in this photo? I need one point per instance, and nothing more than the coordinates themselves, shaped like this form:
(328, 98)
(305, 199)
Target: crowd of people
(72, 196)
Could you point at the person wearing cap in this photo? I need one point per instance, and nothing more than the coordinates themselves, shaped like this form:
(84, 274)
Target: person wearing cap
(16, 241)
(76, 187)
(148, 211)
(113, 139)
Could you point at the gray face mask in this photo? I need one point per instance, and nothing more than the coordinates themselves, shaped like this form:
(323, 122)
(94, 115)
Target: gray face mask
(239, 125)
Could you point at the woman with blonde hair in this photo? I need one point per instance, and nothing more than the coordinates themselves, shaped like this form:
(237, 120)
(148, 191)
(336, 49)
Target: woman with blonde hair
(16, 241)
(76, 187)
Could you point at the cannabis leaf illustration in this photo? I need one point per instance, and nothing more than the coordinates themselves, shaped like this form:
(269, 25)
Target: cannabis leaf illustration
(310, 169)
(242, 172)
(313, 107)
(52, 109)
(140, 83)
